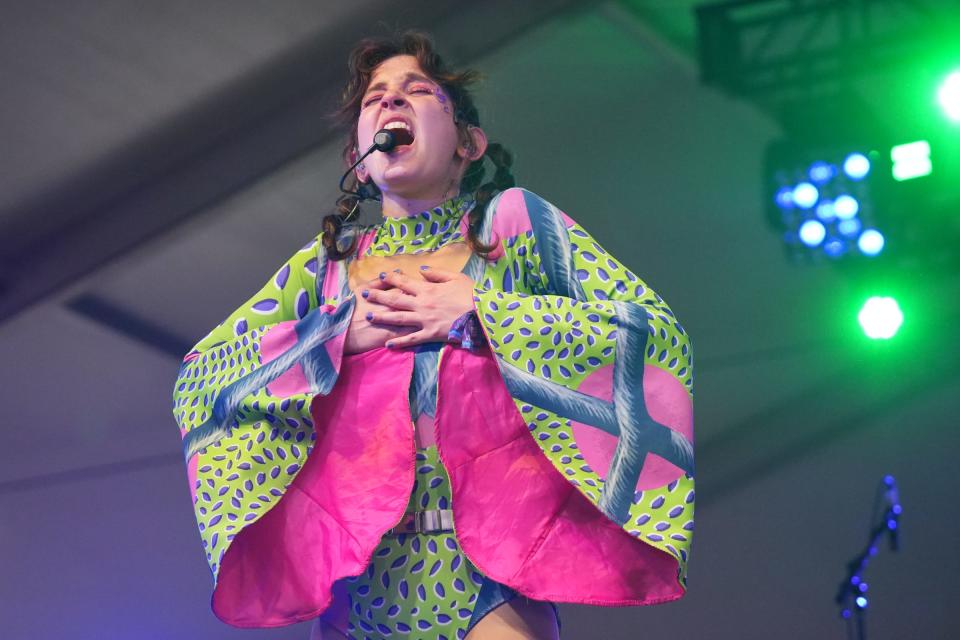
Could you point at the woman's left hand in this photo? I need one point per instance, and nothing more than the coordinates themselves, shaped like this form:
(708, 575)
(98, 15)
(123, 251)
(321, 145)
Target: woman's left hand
(431, 304)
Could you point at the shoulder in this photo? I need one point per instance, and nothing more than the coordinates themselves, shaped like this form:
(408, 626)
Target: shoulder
(519, 211)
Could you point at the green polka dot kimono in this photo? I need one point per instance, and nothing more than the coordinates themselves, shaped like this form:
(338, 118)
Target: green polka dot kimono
(563, 447)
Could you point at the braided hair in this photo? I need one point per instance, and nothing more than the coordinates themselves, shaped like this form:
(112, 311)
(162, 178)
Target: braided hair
(364, 59)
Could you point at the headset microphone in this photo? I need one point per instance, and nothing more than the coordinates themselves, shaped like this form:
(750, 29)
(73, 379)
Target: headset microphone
(384, 140)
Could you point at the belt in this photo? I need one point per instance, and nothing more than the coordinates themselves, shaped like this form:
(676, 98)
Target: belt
(429, 521)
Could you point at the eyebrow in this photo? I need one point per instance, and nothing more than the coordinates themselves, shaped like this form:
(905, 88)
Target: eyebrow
(409, 77)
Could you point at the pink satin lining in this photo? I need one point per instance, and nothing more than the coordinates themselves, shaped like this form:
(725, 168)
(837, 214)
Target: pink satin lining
(516, 517)
(519, 520)
(354, 486)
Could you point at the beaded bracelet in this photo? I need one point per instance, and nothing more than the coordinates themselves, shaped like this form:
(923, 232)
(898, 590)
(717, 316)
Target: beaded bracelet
(466, 331)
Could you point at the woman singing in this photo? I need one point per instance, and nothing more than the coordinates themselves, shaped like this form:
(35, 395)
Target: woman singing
(441, 425)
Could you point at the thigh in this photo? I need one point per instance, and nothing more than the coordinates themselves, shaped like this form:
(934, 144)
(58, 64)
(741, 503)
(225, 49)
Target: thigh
(519, 619)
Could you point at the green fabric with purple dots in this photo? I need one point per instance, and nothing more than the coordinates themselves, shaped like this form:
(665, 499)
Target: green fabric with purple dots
(418, 586)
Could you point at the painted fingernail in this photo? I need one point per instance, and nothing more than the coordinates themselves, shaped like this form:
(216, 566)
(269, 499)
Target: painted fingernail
(369, 315)
(424, 267)
(383, 274)
(389, 345)
(366, 293)
(396, 270)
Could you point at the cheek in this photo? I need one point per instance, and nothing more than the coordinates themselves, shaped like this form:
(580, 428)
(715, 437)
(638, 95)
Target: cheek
(365, 132)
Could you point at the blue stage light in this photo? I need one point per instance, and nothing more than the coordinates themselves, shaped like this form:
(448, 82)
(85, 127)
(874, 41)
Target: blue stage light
(784, 198)
(846, 207)
(825, 210)
(805, 195)
(821, 172)
(856, 166)
(812, 233)
(834, 247)
(849, 227)
(871, 242)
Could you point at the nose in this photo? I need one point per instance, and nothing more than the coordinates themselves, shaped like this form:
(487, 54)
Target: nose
(390, 100)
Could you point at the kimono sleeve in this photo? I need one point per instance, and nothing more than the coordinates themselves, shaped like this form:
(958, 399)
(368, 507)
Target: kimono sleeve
(599, 368)
(242, 397)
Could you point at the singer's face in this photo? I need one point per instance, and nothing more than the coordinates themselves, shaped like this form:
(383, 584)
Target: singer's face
(400, 91)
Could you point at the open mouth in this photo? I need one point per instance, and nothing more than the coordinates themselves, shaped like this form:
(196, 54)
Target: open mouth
(403, 132)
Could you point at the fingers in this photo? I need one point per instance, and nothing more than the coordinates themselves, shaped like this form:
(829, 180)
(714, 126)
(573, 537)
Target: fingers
(402, 318)
(409, 340)
(398, 280)
(437, 275)
(393, 298)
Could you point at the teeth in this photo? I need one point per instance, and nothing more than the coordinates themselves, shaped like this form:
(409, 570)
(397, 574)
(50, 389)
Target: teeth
(396, 124)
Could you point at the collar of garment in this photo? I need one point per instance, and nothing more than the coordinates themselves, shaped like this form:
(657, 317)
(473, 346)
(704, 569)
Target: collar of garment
(425, 231)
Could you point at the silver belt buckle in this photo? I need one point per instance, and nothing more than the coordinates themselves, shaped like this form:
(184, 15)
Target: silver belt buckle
(429, 521)
(434, 520)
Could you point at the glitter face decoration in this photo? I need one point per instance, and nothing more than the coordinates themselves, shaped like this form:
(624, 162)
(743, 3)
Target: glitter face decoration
(442, 99)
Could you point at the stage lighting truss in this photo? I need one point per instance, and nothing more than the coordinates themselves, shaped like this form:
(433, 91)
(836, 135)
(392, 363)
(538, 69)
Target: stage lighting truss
(773, 47)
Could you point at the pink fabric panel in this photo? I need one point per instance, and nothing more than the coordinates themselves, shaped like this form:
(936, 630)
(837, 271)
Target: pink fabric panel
(517, 518)
(512, 218)
(275, 341)
(667, 402)
(334, 347)
(192, 477)
(331, 280)
(364, 243)
(353, 487)
(425, 434)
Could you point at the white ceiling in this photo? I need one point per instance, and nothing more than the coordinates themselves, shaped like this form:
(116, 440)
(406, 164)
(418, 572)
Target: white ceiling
(797, 417)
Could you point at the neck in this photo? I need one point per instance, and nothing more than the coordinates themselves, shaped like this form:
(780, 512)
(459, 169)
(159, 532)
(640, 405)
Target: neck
(397, 205)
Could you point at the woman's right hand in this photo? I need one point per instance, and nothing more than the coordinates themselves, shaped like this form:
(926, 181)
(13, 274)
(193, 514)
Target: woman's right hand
(363, 335)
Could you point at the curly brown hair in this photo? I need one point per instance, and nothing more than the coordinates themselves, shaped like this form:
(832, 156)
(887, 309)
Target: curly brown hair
(364, 59)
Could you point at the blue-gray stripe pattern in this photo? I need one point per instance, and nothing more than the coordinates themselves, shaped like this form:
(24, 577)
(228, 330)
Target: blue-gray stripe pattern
(553, 245)
(427, 360)
(626, 417)
(312, 331)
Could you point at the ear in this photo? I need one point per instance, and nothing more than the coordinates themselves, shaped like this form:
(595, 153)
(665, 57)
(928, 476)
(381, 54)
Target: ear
(362, 174)
(478, 144)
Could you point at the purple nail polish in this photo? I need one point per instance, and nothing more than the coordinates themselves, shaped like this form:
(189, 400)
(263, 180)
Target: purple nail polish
(389, 345)
(365, 294)
(369, 315)
(424, 267)
(383, 274)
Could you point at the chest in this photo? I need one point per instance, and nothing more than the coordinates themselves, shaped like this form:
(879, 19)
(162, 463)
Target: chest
(451, 257)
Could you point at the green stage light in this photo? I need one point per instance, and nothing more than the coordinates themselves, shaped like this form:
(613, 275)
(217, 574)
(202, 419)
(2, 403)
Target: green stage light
(911, 160)
(880, 318)
(949, 96)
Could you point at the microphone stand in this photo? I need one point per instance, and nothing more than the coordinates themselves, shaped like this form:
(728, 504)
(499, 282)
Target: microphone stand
(853, 585)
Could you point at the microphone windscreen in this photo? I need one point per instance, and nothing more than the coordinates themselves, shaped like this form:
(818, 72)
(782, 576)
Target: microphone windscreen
(387, 139)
